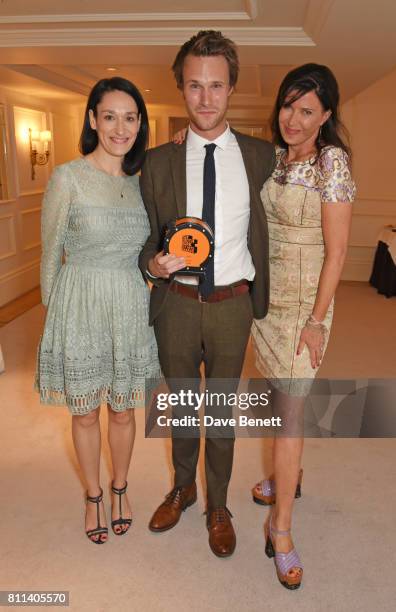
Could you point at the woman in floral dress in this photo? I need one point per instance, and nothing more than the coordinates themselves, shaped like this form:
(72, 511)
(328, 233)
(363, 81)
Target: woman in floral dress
(307, 201)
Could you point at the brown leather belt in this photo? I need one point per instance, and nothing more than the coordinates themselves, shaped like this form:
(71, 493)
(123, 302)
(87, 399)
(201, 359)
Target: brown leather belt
(223, 293)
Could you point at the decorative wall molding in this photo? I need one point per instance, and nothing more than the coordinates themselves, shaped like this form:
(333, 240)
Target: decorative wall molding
(375, 199)
(373, 205)
(251, 8)
(21, 270)
(360, 252)
(372, 214)
(36, 243)
(356, 271)
(131, 17)
(31, 246)
(85, 37)
(19, 280)
(358, 264)
(36, 119)
(249, 13)
(31, 192)
(316, 16)
(49, 76)
(10, 230)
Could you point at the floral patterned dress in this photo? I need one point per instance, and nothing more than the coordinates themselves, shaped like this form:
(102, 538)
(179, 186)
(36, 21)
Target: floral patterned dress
(97, 345)
(292, 198)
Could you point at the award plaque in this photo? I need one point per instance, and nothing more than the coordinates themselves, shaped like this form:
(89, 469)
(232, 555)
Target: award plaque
(193, 239)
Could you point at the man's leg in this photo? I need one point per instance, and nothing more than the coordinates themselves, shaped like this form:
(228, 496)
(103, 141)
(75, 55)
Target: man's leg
(178, 333)
(226, 329)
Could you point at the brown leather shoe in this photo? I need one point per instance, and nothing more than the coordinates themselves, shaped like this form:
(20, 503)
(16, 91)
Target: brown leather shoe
(168, 513)
(222, 538)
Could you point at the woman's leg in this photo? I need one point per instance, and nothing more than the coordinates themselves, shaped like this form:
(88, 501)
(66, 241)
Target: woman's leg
(121, 438)
(87, 443)
(287, 453)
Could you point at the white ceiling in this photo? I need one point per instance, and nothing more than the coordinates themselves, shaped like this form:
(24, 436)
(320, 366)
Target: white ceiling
(62, 48)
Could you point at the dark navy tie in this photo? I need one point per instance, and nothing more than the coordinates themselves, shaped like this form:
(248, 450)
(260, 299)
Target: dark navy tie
(208, 213)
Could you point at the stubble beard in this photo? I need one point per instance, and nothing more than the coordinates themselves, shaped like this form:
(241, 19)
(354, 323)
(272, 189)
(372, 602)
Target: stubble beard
(207, 125)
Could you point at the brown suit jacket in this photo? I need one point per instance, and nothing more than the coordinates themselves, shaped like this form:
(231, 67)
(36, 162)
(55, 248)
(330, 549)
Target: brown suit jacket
(163, 187)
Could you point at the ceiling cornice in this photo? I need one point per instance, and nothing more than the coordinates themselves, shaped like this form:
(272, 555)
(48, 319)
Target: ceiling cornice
(111, 17)
(249, 13)
(316, 16)
(49, 76)
(84, 37)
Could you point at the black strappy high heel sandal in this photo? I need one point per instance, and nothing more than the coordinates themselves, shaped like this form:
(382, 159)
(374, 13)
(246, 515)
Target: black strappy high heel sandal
(99, 530)
(121, 520)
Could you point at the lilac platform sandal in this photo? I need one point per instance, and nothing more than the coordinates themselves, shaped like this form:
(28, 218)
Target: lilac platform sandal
(264, 491)
(284, 562)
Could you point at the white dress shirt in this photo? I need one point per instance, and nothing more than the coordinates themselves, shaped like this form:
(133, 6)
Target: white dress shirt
(232, 259)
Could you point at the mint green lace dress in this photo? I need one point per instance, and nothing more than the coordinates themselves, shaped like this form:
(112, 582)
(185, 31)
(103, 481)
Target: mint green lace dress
(97, 345)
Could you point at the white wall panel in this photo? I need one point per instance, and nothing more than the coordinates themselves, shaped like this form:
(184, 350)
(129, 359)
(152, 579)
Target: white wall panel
(7, 237)
(369, 119)
(20, 216)
(25, 118)
(19, 280)
(31, 230)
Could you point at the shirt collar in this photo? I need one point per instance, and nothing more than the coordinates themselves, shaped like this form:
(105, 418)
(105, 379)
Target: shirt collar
(194, 141)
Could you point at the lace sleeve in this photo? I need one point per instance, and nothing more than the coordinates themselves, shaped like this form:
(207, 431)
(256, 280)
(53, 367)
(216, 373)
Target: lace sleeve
(54, 217)
(336, 183)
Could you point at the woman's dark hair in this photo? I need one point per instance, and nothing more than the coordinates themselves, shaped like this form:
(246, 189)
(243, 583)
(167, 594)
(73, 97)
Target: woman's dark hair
(321, 80)
(134, 159)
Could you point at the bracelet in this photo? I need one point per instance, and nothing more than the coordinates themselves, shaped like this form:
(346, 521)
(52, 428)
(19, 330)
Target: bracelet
(313, 322)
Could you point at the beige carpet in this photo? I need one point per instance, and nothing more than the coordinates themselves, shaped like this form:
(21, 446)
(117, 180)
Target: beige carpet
(343, 528)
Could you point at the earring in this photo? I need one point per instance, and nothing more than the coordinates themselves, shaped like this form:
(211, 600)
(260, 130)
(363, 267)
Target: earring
(320, 134)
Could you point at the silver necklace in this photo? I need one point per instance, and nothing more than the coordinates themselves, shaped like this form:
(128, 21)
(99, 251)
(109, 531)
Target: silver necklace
(112, 175)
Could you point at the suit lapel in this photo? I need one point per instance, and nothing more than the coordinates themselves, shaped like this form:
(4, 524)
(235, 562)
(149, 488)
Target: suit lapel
(178, 165)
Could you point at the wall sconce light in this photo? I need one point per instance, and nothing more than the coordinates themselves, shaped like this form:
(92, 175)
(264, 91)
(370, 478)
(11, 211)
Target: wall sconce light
(38, 158)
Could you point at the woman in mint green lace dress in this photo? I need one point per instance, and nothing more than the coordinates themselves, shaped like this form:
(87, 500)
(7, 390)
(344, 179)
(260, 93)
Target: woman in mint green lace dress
(97, 345)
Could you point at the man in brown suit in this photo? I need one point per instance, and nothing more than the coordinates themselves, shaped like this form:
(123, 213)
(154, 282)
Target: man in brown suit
(216, 174)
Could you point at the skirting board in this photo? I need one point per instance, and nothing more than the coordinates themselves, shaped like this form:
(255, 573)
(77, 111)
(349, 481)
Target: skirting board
(19, 281)
(356, 271)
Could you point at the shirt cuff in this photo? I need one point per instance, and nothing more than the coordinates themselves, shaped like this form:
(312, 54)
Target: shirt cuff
(151, 276)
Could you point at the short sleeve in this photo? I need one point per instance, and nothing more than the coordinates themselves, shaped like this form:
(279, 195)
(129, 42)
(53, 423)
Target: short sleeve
(54, 218)
(336, 183)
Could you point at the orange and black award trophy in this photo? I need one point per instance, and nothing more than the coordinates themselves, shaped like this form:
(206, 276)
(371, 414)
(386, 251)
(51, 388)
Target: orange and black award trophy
(193, 239)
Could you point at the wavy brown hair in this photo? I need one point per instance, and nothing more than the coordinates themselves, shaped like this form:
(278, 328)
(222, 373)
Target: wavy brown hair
(207, 43)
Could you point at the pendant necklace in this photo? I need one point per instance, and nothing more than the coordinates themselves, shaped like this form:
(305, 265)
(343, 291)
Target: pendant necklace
(112, 175)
